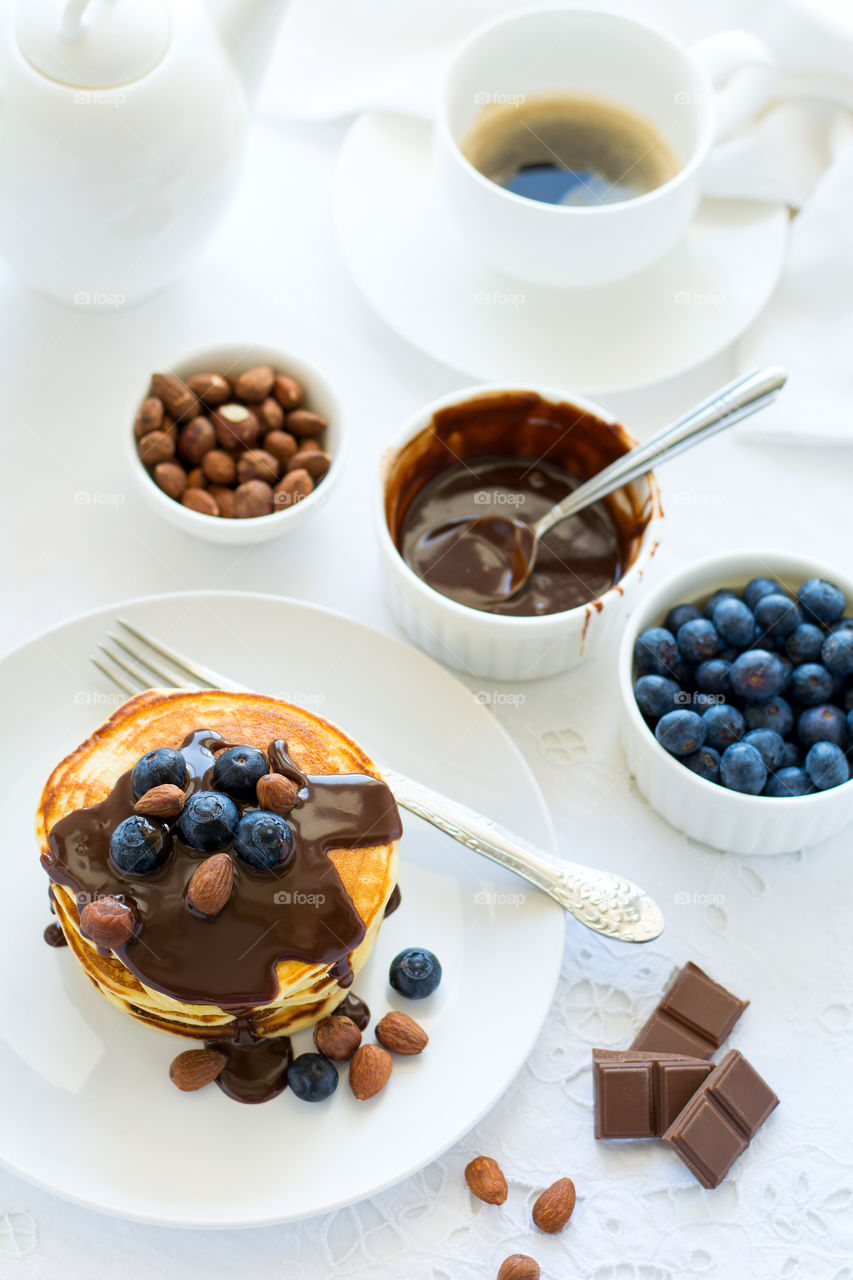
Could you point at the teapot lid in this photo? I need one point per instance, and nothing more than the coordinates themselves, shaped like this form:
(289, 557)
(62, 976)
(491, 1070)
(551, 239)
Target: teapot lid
(93, 44)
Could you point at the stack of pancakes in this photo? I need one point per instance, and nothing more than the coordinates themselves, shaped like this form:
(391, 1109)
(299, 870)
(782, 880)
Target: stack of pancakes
(306, 992)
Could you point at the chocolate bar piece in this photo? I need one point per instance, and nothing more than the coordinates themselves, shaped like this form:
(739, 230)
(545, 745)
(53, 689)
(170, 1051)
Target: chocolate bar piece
(694, 1017)
(721, 1119)
(638, 1095)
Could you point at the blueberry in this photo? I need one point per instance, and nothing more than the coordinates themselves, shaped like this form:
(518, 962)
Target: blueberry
(804, 642)
(698, 640)
(788, 782)
(655, 695)
(825, 723)
(312, 1077)
(811, 683)
(238, 771)
(680, 732)
(826, 765)
(157, 767)
(742, 769)
(725, 593)
(757, 675)
(774, 714)
(793, 756)
(758, 587)
(777, 615)
(724, 725)
(837, 653)
(705, 762)
(734, 622)
(821, 600)
(843, 624)
(713, 676)
(769, 746)
(208, 821)
(679, 614)
(264, 840)
(415, 973)
(139, 846)
(655, 651)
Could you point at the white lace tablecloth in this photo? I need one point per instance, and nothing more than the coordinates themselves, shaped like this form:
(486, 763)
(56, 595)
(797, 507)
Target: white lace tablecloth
(776, 930)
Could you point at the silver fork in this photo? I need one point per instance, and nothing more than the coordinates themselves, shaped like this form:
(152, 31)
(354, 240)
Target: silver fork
(604, 902)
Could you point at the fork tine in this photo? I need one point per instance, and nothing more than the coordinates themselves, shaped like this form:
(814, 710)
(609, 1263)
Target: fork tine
(111, 675)
(205, 676)
(144, 661)
(139, 677)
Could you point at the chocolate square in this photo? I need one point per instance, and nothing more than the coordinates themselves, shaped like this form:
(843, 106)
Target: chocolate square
(638, 1095)
(694, 1016)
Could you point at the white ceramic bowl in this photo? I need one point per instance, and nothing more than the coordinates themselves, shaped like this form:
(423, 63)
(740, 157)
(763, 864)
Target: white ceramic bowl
(703, 810)
(233, 359)
(493, 645)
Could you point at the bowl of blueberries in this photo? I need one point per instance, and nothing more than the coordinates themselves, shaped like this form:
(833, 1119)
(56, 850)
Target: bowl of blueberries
(737, 682)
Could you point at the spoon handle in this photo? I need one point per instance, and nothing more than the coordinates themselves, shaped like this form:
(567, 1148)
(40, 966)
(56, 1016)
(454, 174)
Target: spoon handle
(602, 901)
(725, 407)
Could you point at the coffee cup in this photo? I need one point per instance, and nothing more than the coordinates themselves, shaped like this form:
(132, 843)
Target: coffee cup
(691, 96)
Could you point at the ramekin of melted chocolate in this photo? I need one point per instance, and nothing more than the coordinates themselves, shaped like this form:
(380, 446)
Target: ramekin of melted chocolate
(514, 455)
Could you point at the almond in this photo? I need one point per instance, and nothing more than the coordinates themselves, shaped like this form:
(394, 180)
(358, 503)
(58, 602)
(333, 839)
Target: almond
(271, 414)
(253, 498)
(295, 486)
(236, 426)
(149, 417)
(282, 445)
(156, 446)
(196, 439)
(302, 422)
(200, 500)
(224, 499)
(211, 388)
(369, 1070)
(337, 1038)
(554, 1206)
(165, 801)
(485, 1180)
(171, 478)
(179, 400)
(195, 1068)
(314, 461)
(255, 384)
(108, 922)
(519, 1266)
(401, 1034)
(219, 467)
(257, 464)
(277, 793)
(287, 391)
(210, 884)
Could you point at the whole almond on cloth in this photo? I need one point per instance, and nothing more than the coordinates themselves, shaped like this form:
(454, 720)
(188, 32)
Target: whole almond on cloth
(177, 397)
(486, 1180)
(211, 388)
(149, 417)
(108, 922)
(399, 1033)
(210, 884)
(554, 1206)
(519, 1266)
(255, 384)
(369, 1069)
(277, 794)
(195, 1068)
(165, 801)
(337, 1037)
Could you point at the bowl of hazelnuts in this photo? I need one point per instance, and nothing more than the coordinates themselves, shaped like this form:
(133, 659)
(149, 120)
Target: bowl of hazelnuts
(236, 443)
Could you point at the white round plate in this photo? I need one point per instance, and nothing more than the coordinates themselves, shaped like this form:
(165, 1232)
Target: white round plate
(91, 1113)
(414, 269)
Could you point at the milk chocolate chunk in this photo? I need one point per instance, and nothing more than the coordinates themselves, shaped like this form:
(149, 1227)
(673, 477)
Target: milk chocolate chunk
(721, 1119)
(639, 1095)
(694, 1017)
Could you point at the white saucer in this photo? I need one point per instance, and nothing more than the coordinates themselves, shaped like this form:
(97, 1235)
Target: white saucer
(91, 1113)
(414, 269)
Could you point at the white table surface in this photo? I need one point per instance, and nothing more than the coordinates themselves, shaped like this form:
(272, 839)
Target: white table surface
(775, 930)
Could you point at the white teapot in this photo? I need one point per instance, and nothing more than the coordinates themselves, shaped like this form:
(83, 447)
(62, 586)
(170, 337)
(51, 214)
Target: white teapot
(122, 127)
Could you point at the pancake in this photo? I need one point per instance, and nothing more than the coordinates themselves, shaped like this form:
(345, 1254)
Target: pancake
(137, 978)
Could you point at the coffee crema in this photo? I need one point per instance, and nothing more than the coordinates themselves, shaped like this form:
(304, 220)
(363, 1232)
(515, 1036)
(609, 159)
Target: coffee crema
(569, 149)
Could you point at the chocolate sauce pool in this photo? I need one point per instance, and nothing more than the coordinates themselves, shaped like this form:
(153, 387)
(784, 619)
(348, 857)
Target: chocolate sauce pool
(513, 455)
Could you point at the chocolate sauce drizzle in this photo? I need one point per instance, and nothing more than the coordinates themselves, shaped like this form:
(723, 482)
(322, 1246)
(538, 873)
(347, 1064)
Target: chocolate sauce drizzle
(301, 912)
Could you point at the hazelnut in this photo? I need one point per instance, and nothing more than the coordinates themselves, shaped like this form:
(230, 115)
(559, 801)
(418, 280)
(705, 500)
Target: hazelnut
(236, 426)
(171, 478)
(295, 486)
(304, 423)
(196, 479)
(315, 463)
(255, 384)
(211, 388)
(219, 467)
(337, 1038)
(271, 414)
(257, 464)
(254, 498)
(224, 500)
(200, 500)
(288, 392)
(282, 445)
(149, 417)
(155, 447)
(196, 439)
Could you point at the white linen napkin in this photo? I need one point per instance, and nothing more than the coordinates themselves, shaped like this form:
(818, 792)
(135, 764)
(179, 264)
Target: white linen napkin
(337, 58)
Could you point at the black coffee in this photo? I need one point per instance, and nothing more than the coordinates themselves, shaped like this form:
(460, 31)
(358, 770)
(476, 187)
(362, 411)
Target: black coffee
(569, 149)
